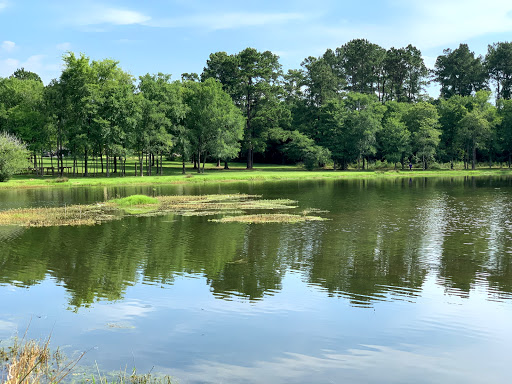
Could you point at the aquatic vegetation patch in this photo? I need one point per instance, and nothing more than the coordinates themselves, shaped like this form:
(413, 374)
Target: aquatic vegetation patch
(135, 200)
(141, 205)
(268, 218)
(58, 216)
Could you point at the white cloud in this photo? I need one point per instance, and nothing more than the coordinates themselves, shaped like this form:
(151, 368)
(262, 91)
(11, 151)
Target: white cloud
(63, 46)
(442, 22)
(427, 25)
(35, 63)
(8, 66)
(8, 45)
(3, 5)
(105, 15)
(226, 20)
(366, 363)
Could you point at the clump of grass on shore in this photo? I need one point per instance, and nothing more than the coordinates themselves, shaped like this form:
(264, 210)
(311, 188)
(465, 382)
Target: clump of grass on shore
(33, 362)
(149, 206)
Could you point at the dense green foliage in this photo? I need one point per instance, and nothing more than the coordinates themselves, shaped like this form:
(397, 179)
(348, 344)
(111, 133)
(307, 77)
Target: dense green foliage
(352, 106)
(13, 156)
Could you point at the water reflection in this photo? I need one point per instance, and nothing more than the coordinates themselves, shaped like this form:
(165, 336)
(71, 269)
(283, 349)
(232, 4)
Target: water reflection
(383, 240)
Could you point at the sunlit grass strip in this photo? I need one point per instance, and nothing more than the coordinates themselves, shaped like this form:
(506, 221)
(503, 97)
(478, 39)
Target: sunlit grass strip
(140, 205)
(268, 218)
(172, 175)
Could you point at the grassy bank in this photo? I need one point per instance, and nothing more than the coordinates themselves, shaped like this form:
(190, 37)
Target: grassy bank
(237, 173)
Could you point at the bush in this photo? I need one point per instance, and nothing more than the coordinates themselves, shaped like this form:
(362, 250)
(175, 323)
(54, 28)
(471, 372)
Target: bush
(13, 156)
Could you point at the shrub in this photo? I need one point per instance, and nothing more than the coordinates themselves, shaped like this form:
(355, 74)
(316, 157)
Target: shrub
(13, 156)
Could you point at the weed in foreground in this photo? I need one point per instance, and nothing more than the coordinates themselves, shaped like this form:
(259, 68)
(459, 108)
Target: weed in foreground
(32, 362)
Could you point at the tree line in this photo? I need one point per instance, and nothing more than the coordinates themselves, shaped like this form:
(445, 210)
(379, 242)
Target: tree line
(351, 106)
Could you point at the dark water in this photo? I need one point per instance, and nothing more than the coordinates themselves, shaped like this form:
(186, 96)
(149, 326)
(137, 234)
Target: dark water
(409, 281)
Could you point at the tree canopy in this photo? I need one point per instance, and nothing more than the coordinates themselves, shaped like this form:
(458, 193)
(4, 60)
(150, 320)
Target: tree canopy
(353, 105)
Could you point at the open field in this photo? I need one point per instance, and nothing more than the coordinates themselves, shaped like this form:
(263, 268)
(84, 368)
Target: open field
(172, 174)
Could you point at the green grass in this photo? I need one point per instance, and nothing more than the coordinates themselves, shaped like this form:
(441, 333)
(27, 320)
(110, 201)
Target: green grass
(135, 200)
(237, 173)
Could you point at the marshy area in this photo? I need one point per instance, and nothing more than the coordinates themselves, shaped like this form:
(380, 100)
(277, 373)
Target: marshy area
(234, 205)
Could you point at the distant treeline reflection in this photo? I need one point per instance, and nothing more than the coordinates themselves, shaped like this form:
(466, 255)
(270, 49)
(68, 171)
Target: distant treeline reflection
(379, 245)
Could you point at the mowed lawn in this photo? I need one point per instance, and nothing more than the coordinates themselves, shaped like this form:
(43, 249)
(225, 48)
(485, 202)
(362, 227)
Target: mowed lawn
(172, 174)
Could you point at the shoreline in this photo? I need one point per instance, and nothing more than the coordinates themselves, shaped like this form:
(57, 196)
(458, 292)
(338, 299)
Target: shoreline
(239, 176)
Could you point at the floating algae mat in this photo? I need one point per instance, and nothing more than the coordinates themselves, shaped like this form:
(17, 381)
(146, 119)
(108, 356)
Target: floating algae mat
(141, 205)
(268, 218)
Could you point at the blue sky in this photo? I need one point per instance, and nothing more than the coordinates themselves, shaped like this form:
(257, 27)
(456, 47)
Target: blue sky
(176, 36)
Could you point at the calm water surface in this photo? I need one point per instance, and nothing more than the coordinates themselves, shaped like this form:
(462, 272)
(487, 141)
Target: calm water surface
(409, 281)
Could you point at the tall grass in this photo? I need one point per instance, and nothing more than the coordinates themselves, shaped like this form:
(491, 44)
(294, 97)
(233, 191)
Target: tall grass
(32, 362)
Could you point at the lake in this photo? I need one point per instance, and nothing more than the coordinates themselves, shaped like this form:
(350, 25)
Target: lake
(410, 280)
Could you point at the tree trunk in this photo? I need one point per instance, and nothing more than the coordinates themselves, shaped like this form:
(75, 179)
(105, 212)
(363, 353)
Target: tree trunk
(249, 158)
(218, 163)
(108, 170)
(204, 161)
(473, 163)
(226, 164)
(198, 161)
(183, 165)
(86, 164)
